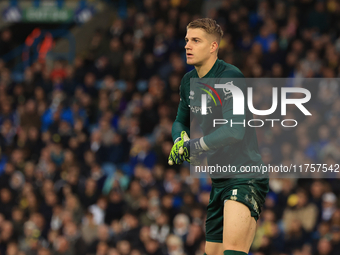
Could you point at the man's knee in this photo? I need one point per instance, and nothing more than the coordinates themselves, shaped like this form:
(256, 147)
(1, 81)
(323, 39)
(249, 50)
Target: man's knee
(213, 248)
(225, 252)
(233, 252)
(233, 245)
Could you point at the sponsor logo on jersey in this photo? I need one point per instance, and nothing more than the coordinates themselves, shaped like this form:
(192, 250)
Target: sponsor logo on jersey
(196, 109)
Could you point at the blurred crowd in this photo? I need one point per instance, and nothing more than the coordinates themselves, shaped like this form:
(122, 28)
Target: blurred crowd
(84, 145)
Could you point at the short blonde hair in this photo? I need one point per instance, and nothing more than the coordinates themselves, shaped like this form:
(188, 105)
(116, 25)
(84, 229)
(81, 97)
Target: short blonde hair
(209, 26)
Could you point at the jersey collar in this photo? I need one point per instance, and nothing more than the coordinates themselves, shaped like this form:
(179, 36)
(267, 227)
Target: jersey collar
(211, 72)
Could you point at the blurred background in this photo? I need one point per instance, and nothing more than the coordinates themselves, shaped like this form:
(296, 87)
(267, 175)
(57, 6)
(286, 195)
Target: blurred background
(88, 95)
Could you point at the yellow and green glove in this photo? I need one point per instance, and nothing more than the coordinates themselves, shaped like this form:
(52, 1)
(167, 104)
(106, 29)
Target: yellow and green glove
(178, 152)
(181, 150)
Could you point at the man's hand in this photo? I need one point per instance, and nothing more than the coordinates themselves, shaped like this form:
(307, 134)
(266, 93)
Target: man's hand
(192, 149)
(177, 154)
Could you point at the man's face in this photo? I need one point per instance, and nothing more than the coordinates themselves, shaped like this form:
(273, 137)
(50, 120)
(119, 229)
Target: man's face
(199, 46)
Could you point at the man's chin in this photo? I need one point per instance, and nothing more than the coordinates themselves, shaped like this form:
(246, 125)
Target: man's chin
(191, 62)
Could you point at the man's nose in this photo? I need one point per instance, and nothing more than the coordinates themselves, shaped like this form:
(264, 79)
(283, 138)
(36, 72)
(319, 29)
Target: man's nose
(187, 45)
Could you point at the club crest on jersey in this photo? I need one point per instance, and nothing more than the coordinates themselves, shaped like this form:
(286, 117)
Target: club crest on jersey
(227, 92)
(192, 93)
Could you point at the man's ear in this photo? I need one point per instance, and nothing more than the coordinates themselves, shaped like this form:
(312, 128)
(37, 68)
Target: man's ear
(214, 47)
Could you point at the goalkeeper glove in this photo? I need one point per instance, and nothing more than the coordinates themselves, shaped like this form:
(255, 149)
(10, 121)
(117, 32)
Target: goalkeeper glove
(177, 154)
(192, 149)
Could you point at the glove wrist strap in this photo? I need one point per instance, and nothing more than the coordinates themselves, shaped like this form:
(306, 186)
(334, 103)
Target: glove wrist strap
(203, 144)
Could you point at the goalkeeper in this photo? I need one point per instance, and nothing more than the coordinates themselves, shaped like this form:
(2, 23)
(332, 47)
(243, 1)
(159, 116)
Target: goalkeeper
(235, 203)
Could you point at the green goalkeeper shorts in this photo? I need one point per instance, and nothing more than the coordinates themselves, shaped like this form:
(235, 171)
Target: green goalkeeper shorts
(250, 192)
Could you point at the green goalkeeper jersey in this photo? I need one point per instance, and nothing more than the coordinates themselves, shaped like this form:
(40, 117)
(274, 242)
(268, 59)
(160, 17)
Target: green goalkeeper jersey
(234, 145)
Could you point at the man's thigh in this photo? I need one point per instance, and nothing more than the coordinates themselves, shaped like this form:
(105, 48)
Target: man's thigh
(238, 230)
(238, 227)
(246, 198)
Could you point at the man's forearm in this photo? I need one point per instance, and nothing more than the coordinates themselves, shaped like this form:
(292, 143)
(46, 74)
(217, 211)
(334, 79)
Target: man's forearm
(224, 136)
(182, 122)
(221, 137)
(177, 128)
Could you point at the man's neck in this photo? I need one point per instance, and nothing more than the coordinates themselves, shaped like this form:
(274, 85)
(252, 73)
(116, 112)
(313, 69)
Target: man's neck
(206, 67)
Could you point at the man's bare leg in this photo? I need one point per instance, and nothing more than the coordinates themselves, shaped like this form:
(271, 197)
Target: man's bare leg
(213, 248)
(238, 228)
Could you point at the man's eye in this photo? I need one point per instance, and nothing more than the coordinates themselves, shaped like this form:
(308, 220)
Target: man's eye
(196, 40)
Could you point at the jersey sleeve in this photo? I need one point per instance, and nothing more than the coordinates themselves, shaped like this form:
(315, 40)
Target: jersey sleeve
(227, 135)
(182, 122)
